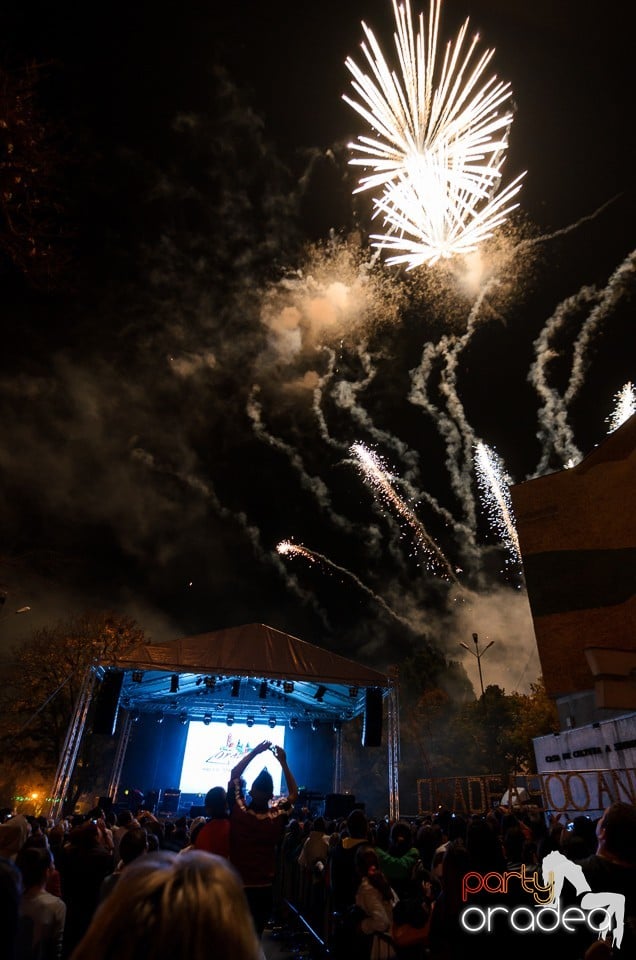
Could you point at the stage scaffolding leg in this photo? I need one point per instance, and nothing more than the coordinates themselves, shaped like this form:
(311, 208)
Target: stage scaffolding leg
(118, 763)
(72, 742)
(393, 717)
(337, 766)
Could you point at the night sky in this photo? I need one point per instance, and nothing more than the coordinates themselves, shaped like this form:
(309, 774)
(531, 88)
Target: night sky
(183, 374)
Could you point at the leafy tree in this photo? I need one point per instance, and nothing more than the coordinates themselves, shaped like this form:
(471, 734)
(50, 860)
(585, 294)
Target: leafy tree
(43, 681)
(535, 716)
(498, 729)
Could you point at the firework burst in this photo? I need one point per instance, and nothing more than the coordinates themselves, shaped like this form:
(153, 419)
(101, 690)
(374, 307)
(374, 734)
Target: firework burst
(441, 133)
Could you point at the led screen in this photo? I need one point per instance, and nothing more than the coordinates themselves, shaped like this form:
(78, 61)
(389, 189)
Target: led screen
(213, 750)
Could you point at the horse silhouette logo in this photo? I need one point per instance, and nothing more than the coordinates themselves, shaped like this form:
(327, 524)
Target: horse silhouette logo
(556, 869)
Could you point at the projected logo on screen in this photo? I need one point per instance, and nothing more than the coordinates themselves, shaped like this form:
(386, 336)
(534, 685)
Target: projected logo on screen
(211, 752)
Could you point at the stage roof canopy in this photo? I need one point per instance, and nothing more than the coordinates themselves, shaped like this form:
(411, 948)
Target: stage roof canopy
(250, 671)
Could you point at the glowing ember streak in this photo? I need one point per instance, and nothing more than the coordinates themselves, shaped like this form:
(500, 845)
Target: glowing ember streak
(286, 547)
(625, 407)
(495, 493)
(373, 471)
(441, 136)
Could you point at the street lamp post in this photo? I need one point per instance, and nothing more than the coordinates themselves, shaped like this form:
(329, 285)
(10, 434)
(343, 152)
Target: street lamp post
(478, 655)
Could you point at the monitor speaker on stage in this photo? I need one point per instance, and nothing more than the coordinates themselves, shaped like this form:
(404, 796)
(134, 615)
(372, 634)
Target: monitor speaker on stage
(372, 722)
(339, 805)
(105, 804)
(107, 703)
(170, 800)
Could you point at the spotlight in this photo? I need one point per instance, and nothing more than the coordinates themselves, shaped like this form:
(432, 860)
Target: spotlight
(249, 721)
(160, 718)
(207, 719)
(174, 683)
(262, 690)
(272, 722)
(293, 723)
(314, 725)
(336, 726)
(183, 718)
(134, 716)
(319, 695)
(229, 719)
(137, 676)
(288, 686)
(236, 685)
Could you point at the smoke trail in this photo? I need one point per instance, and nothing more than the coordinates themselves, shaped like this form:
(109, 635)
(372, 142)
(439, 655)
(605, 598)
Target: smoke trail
(204, 489)
(346, 395)
(315, 485)
(452, 423)
(287, 548)
(448, 387)
(526, 243)
(555, 434)
(317, 398)
(617, 285)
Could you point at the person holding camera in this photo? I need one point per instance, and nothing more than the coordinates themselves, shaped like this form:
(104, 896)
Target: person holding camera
(256, 829)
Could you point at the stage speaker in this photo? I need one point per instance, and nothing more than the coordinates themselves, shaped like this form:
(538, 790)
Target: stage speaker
(107, 703)
(372, 722)
(170, 800)
(105, 804)
(338, 805)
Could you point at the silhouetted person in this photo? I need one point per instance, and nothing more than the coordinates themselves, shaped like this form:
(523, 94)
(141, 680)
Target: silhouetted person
(215, 835)
(256, 829)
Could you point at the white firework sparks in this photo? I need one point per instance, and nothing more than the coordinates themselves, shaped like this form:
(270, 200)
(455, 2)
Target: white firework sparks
(372, 470)
(441, 136)
(495, 493)
(287, 548)
(625, 407)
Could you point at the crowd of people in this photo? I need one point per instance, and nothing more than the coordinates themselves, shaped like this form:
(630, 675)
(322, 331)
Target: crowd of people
(109, 887)
(377, 878)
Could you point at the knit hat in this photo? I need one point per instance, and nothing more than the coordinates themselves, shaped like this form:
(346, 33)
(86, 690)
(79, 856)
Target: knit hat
(264, 782)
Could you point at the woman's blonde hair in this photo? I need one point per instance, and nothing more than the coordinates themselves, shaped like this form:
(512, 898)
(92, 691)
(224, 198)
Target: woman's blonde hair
(167, 907)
